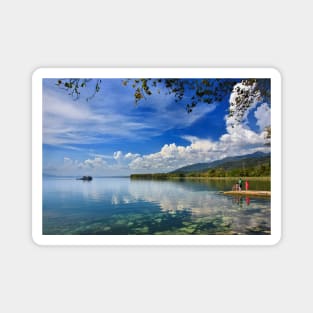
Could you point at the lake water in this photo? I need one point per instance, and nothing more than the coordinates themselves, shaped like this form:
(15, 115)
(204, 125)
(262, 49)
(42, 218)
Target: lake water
(119, 206)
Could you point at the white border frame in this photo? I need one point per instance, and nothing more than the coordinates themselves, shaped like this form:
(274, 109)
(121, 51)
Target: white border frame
(193, 240)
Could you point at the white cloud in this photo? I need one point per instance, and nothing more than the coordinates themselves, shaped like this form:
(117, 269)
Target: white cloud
(97, 162)
(130, 156)
(103, 156)
(69, 122)
(118, 155)
(263, 116)
(97, 165)
(171, 156)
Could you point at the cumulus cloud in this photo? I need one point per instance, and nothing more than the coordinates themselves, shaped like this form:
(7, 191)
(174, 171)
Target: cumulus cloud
(97, 162)
(118, 155)
(171, 156)
(71, 166)
(130, 156)
(92, 166)
(263, 116)
(97, 165)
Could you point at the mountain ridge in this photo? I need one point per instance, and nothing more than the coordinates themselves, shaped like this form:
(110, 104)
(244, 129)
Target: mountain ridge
(226, 163)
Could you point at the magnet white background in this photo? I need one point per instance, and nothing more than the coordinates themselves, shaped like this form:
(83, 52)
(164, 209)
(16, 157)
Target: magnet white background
(136, 33)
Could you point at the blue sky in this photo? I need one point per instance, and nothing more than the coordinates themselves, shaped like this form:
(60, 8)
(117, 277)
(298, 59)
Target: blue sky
(110, 135)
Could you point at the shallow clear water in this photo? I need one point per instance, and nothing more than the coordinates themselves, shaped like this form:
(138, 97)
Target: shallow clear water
(119, 206)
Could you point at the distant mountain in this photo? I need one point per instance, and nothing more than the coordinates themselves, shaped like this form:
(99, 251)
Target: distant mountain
(48, 175)
(197, 167)
(228, 163)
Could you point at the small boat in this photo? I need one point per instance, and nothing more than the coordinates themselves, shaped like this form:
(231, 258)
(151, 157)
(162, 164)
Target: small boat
(88, 178)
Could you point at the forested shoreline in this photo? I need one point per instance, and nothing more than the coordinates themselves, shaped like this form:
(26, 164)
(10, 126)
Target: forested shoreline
(258, 171)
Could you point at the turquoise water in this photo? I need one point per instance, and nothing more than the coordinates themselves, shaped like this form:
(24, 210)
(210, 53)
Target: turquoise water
(119, 206)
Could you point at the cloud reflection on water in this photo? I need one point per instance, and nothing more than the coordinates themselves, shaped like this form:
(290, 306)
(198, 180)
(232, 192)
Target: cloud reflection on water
(201, 199)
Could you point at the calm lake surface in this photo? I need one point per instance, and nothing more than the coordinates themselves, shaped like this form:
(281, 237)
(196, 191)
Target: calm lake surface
(119, 206)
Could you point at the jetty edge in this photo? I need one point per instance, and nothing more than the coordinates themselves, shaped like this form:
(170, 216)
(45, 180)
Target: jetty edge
(251, 193)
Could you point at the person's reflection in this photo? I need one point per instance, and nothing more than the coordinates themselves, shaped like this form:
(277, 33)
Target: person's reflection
(238, 200)
(247, 200)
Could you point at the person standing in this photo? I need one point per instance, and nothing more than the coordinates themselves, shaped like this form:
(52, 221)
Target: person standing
(240, 184)
(247, 185)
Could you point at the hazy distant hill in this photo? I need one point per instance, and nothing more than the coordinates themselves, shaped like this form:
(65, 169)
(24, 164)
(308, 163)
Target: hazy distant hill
(242, 161)
(48, 175)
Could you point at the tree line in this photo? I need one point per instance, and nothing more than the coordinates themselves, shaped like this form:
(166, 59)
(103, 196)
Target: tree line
(263, 170)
